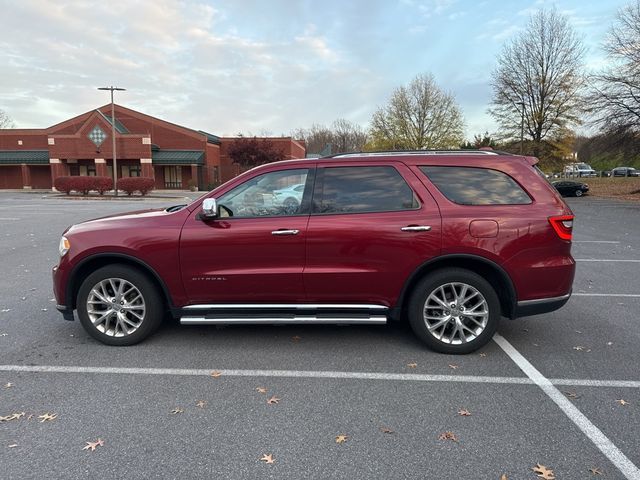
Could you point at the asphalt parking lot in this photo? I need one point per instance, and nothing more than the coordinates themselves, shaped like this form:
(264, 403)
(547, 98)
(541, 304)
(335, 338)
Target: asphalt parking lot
(560, 390)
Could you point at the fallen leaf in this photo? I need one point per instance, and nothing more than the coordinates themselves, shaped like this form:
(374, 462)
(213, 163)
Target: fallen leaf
(47, 417)
(5, 310)
(579, 348)
(13, 416)
(13, 445)
(93, 445)
(463, 412)
(8, 385)
(176, 410)
(595, 471)
(341, 438)
(571, 394)
(453, 367)
(483, 354)
(412, 365)
(273, 400)
(503, 477)
(622, 402)
(386, 430)
(267, 458)
(296, 338)
(216, 374)
(448, 436)
(578, 331)
(261, 390)
(543, 472)
(535, 344)
(201, 404)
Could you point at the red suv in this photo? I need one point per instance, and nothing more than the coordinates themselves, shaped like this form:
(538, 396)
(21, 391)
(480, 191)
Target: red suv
(449, 240)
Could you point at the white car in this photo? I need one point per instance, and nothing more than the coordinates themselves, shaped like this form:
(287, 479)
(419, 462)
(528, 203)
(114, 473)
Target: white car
(289, 197)
(580, 170)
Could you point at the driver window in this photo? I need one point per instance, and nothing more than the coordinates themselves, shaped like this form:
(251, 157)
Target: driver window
(271, 194)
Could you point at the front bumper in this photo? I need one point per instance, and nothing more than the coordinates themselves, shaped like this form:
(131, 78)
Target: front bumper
(66, 312)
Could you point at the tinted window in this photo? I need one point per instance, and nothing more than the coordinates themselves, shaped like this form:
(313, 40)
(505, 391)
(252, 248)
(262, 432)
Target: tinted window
(476, 186)
(364, 189)
(270, 194)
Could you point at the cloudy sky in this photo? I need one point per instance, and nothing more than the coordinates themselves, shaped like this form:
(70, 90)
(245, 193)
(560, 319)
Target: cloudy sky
(261, 66)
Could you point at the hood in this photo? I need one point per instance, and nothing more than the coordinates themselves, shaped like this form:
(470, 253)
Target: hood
(120, 220)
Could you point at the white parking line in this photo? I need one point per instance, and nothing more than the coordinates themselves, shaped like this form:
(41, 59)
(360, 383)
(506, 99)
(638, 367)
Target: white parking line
(619, 260)
(599, 439)
(630, 295)
(404, 377)
(595, 241)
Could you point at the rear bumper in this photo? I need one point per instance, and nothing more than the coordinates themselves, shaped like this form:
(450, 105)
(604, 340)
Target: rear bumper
(540, 305)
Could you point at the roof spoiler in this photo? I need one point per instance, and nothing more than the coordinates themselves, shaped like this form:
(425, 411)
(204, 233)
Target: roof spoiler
(531, 160)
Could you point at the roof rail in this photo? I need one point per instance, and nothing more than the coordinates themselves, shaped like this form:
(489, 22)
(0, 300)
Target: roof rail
(416, 152)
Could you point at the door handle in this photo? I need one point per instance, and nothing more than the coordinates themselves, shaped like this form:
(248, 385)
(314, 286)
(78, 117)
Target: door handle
(285, 232)
(416, 228)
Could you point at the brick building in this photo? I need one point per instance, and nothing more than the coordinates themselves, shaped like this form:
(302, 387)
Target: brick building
(145, 146)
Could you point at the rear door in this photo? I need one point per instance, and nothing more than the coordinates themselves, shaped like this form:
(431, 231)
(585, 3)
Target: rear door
(371, 226)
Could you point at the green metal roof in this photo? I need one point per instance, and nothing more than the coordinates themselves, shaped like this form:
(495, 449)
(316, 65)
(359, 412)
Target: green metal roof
(177, 157)
(211, 138)
(32, 157)
(120, 128)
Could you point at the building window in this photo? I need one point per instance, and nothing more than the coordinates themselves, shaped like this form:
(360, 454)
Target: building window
(173, 177)
(130, 171)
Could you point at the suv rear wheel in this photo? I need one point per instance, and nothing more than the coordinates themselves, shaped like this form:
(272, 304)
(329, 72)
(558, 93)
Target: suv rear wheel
(454, 311)
(119, 305)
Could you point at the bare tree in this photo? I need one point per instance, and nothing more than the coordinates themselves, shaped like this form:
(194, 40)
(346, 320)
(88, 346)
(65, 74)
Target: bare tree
(5, 120)
(417, 116)
(342, 136)
(538, 84)
(615, 99)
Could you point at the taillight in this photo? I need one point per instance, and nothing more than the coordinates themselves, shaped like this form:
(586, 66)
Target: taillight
(563, 226)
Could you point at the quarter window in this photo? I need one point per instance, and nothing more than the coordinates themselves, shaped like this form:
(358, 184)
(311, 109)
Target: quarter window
(476, 186)
(364, 189)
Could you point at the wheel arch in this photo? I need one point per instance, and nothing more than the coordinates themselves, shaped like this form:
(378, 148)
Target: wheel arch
(93, 262)
(489, 270)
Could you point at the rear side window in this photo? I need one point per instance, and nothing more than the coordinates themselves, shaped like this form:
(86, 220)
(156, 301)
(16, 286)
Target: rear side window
(364, 189)
(476, 186)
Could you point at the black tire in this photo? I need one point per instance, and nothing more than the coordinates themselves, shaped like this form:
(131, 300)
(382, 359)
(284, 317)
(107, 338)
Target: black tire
(151, 308)
(578, 193)
(448, 279)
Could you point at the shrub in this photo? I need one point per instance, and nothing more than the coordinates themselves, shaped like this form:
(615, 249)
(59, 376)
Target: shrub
(81, 184)
(63, 184)
(102, 184)
(129, 185)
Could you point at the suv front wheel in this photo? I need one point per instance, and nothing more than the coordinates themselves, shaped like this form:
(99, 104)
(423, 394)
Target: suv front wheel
(119, 305)
(454, 311)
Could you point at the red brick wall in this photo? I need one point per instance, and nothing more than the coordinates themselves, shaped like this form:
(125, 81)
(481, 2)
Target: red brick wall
(31, 139)
(10, 176)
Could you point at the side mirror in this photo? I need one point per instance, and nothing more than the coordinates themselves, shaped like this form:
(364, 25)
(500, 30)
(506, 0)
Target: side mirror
(209, 208)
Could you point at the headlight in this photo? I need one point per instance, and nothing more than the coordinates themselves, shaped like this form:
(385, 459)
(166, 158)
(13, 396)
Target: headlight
(64, 246)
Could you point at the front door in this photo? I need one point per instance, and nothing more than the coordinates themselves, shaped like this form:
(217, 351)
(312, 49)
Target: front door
(254, 251)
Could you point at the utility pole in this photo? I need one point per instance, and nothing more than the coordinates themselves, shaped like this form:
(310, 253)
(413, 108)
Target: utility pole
(521, 127)
(113, 136)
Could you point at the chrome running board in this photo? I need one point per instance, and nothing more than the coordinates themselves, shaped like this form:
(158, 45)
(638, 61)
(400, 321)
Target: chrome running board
(283, 314)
